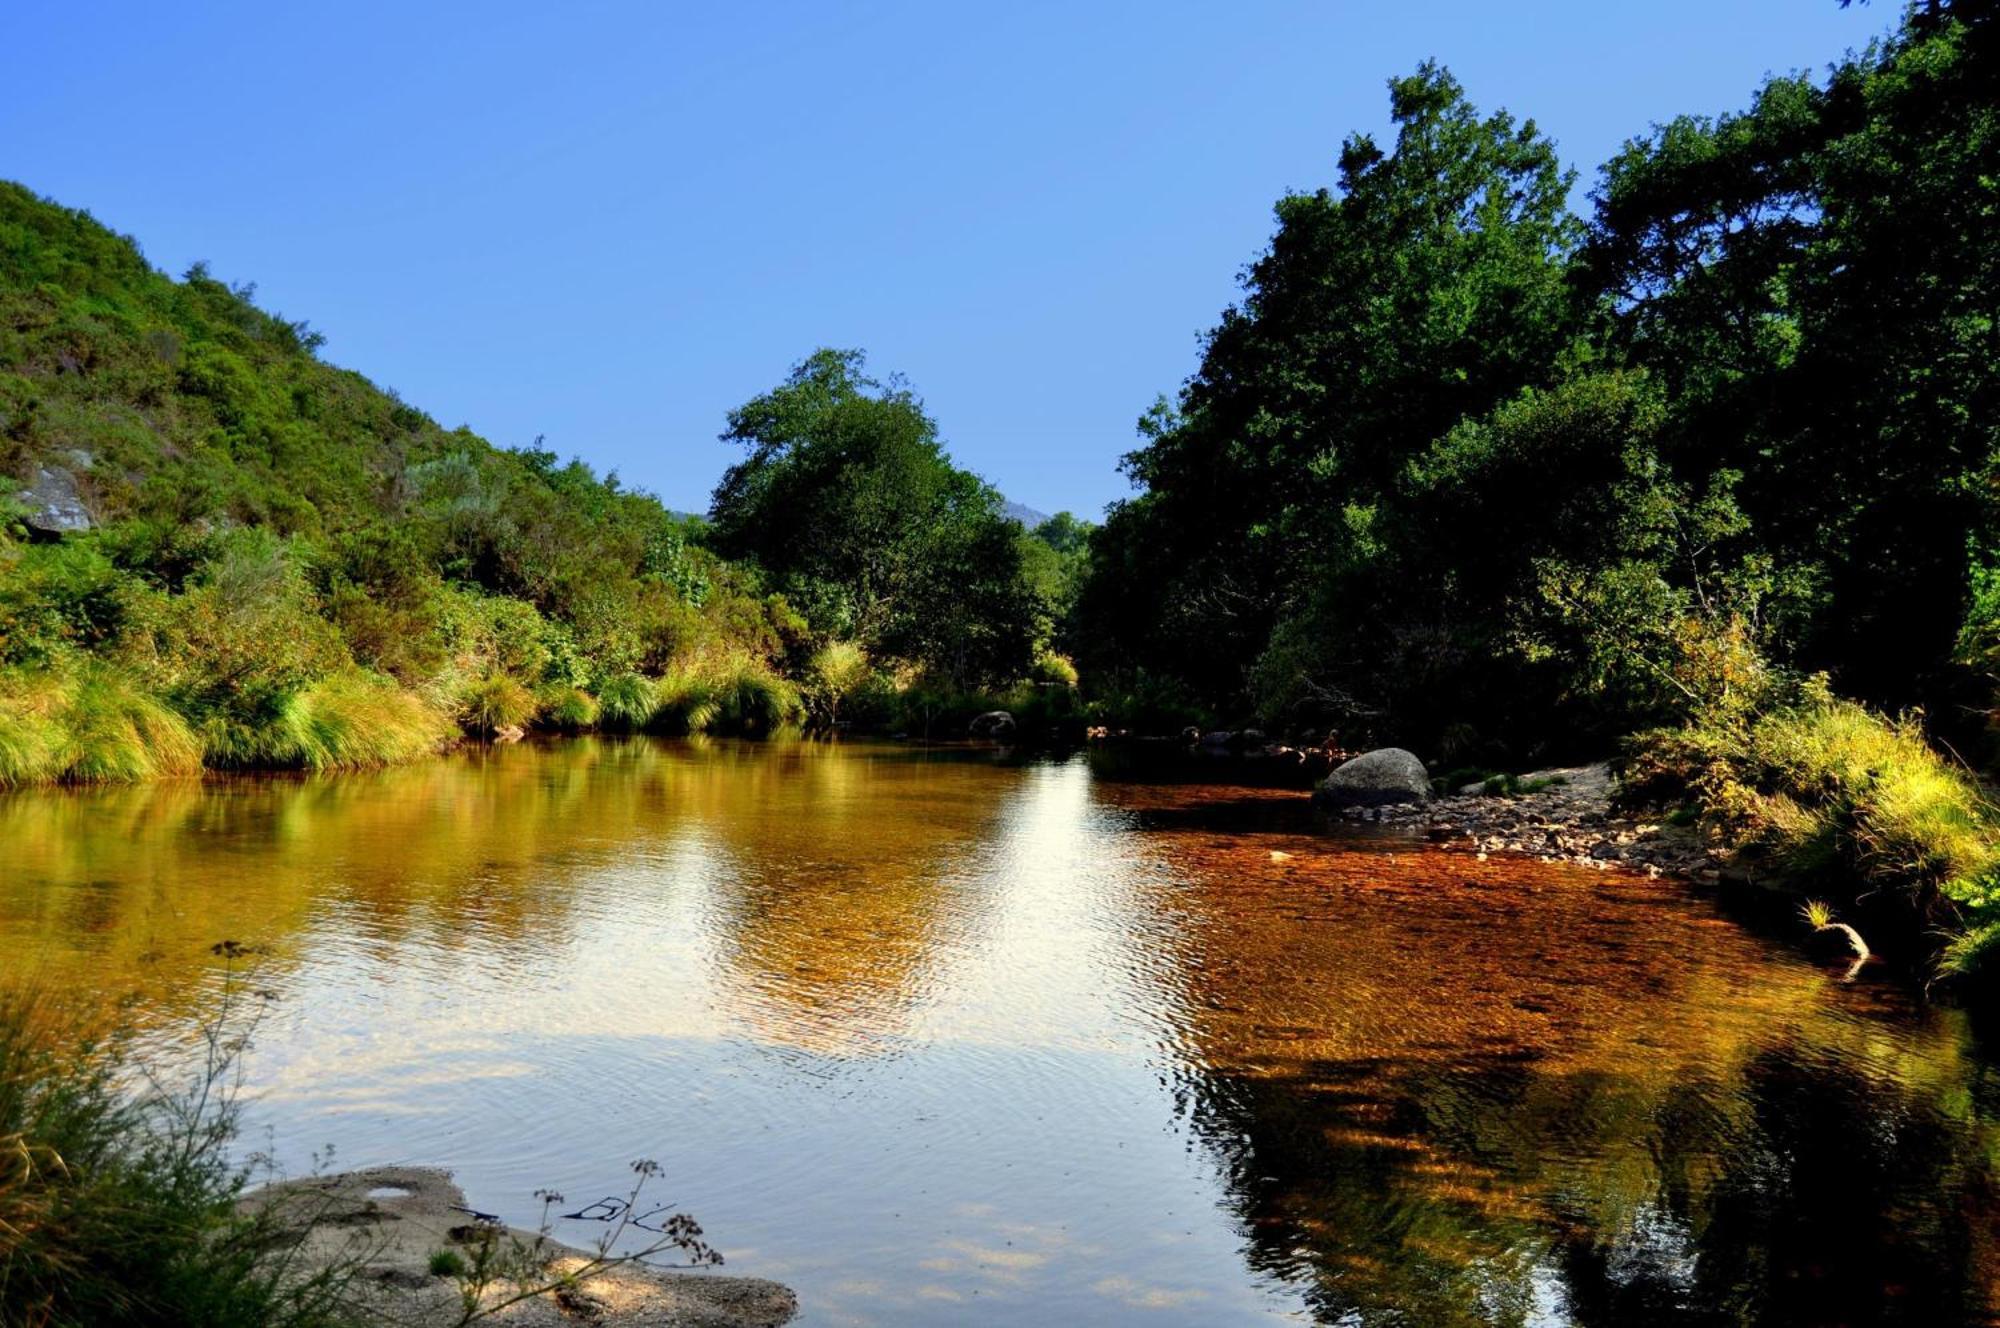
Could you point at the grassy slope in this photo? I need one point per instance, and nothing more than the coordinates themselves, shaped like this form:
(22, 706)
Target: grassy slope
(292, 566)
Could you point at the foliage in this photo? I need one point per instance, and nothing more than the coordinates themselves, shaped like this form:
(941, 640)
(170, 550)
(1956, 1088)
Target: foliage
(1830, 792)
(300, 569)
(848, 502)
(1429, 287)
(120, 1207)
(1462, 463)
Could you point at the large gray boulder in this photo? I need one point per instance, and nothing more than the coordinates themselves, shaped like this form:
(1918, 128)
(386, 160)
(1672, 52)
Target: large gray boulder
(54, 505)
(1377, 779)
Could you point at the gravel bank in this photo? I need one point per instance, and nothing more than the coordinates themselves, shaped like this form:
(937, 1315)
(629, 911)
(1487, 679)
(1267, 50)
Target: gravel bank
(1572, 820)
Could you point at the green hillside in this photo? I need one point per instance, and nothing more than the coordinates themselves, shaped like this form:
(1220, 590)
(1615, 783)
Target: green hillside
(222, 550)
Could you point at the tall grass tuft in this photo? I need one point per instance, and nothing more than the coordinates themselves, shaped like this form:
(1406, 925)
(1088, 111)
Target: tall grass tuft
(494, 703)
(120, 1206)
(686, 701)
(118, 732)
(354, 720)
(31, 728)
(750, 698)
(627, 703)
(566, 709)
(92, 725)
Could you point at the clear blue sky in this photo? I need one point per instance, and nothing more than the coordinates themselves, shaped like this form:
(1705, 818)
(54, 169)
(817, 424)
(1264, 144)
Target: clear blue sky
(608, 223)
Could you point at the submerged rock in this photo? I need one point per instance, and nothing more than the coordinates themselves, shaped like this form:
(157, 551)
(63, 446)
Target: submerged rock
(1379, 778)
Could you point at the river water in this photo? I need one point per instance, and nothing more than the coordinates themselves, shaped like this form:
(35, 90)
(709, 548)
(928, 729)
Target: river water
(937, 1037)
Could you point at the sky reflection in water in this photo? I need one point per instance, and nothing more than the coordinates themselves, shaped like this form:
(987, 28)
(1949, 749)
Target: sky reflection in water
(938, 1038)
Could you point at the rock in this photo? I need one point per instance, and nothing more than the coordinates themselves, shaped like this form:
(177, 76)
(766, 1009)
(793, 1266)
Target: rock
(993, 724)
(1377, 779)
(386, 1223)
(1190, 735)
(55, 507)
(1218, 738)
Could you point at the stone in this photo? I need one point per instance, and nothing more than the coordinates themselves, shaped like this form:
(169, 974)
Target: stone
(1379, 778)
(992, 724)
(54, 506)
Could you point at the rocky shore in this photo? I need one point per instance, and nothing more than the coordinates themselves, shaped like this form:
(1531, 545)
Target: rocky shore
(1570, 815)
(400, 1230)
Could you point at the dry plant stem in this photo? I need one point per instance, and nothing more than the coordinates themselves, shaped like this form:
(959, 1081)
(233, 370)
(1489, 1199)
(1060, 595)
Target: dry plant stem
(524, 1265)
(1861, 950)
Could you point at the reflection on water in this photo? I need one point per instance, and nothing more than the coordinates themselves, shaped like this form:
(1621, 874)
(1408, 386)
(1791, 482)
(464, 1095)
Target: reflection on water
(937, 1038)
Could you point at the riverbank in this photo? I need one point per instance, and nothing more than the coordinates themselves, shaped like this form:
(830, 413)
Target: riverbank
(410, 1240)
(1571, 815)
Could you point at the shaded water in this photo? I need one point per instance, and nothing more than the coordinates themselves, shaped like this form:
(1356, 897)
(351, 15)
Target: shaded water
(940, 1039)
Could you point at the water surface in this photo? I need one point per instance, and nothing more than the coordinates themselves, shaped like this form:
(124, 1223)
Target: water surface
(937, 1037)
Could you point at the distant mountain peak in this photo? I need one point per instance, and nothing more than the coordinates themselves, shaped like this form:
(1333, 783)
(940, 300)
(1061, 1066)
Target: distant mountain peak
(1022, 513)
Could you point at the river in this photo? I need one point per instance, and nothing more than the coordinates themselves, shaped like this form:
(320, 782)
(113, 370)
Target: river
(936, 1036)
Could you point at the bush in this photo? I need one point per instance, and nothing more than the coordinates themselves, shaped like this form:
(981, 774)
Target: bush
(1830, 792)
(494, 703)
(836, 675)
(123, 1209)
(627, 703)
(565, 709)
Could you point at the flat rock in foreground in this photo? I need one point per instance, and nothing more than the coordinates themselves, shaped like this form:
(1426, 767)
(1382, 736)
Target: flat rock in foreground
(391, 1220)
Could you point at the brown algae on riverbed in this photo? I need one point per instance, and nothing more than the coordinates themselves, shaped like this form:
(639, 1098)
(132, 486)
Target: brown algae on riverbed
(924, 1034)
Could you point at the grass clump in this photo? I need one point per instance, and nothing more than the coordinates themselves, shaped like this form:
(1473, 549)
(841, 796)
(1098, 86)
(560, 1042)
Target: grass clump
(566, 709)
(121, 1207)
(355, 720)
(627, 703)
(90, 725)
(447, 1263)
(494, 703)
(1832, 793)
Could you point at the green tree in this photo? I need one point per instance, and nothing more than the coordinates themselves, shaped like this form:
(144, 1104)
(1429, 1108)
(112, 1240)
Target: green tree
(850, 505)
(1428, 286)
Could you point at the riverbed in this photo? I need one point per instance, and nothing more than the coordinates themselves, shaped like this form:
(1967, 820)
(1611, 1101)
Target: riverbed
(945, 1036)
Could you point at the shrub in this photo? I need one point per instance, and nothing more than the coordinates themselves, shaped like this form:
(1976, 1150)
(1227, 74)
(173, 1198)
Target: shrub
(836, 674)
(566, 709)
(1053, 669)
(494, 703)
(117, 1208)
(357, 719)
(1831, 792)
(627, 703)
